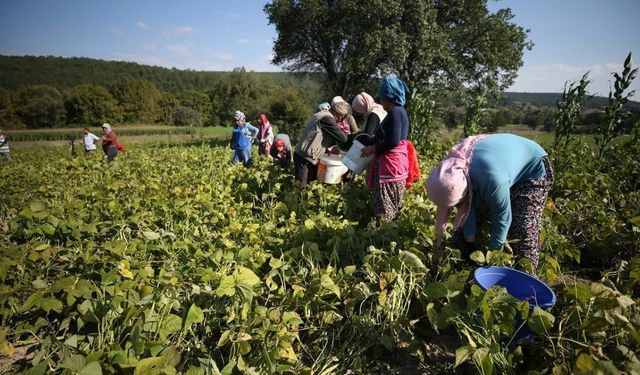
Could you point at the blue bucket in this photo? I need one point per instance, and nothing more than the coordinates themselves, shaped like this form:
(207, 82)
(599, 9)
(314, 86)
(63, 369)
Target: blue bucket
(520, 285)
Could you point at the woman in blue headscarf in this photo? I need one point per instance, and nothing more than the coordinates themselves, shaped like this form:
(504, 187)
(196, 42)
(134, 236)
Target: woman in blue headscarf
(389, 170)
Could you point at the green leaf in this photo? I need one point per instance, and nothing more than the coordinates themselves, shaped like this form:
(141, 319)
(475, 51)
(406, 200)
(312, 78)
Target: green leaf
(482, 359)
(540, 320)
(36, 206)
(478, 257)
(227, 287)
(76, 362)
(170, 324)
(151, 366)
(228, 369)
(412, 261)
(462, 354)
(327, 283)
(46, 228)
(92, 368)
(51, 304)
(194, 315)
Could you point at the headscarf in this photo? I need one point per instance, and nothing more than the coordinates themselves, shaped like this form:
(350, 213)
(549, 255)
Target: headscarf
(239, 116)
(394, 89)
(266, 125)
(324, 106)
(449, 185)
(364, 103)
(279, 143)
(337, 99)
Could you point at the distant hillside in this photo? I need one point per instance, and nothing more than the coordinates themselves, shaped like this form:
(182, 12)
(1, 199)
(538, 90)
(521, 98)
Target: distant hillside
(550, 100)
(16, 71)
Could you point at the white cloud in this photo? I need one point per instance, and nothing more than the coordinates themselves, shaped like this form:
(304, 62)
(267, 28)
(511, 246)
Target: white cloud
(180, 49)
(178, 30)
(114, 30)
(217, 54)
(142, 25)
(552, 78)
(243, 41)
(149, 47)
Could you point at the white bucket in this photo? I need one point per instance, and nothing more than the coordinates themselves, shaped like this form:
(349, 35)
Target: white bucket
(354, 160)
(331, 169)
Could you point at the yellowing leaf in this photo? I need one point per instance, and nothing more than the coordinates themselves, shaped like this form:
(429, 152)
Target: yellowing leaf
(224, 338)
(227, 287)
(150, 235)
(327, 283)
(247, 277)
(7, 348)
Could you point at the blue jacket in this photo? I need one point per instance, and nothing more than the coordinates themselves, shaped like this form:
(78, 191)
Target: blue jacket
(243, 137)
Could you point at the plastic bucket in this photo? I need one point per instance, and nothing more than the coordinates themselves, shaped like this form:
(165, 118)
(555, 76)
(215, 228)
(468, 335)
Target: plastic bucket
(353, 159)
(331, 169)
(520, 285)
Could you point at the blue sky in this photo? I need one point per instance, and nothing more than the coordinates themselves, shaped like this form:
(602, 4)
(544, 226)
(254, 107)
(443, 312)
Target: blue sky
(570, 36)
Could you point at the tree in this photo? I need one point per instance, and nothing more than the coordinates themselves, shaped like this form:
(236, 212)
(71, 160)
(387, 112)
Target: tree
(185, 116)
(91, 105)
(198, 101)
(138, 99)
(289, 112)
(8, 116)
(241, 90)
(454, 116)
(40, 106)
(168, 104)
(449, 44)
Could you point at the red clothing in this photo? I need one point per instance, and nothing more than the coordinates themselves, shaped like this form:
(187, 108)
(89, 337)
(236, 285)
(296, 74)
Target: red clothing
(109, 139)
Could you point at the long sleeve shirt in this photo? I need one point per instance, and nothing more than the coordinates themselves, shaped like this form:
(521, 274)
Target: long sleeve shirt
(243, 136)
(499, 162)
(393, 129)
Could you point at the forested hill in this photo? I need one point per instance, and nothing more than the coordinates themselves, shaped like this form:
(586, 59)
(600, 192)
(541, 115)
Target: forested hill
(550, 100)
(16, 71)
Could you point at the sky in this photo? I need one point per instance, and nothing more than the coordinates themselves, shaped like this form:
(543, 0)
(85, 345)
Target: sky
(570, 37)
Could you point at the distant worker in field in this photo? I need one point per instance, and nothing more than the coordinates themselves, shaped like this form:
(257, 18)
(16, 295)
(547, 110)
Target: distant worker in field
(5, 152)
(281, 152)
(373, 112)
(265, 134)
(389, 174)
(89, 140)
(109, 142)
(502, 178)
(244, 134)
(320, 133)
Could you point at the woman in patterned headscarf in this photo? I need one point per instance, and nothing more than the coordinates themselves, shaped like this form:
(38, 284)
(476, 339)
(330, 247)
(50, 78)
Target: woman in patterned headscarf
(388, 176)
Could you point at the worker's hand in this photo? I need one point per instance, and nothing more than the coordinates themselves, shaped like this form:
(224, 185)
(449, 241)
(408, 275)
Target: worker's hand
(368, 151)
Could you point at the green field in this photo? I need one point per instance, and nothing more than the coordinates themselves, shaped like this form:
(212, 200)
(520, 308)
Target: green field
(171, 260)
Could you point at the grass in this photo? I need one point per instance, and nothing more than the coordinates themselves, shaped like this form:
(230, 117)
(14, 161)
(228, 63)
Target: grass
(126, 134)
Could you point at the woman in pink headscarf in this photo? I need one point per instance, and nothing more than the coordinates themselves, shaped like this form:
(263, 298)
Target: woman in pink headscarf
(373, 112)
(502, 178)
(265, 134)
